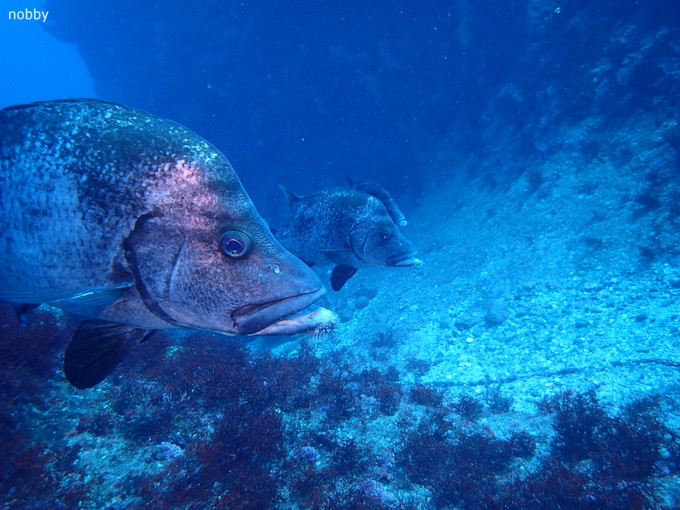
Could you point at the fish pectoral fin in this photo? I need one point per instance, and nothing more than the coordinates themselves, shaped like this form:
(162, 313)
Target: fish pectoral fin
(340, 275)
(99, 296)
(332, 250)
(337, 256)
(93, 301)
(96, 349)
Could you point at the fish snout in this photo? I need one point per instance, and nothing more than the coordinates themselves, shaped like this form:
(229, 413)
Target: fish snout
(286, 309)
(403, 252)
(251, 319)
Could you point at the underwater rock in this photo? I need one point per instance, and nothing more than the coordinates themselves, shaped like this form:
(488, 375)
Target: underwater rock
(497, 312)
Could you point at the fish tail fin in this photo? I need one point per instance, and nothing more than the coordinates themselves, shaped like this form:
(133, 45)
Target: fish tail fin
(290, 196)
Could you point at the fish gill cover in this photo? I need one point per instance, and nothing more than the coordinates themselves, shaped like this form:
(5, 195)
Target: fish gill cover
(531, 362)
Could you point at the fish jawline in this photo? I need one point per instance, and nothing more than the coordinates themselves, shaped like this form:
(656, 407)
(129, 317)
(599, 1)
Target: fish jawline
(256, 319)
(404, 259)
(318, 322)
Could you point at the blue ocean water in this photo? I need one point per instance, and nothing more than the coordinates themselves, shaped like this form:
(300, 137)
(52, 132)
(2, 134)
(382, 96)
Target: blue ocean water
(35, 66)
(531, 362)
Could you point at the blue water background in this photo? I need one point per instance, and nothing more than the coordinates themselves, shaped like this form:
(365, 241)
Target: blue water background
(308, 93)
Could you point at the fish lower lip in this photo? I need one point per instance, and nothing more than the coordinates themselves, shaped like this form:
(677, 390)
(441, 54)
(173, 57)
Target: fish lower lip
(403, 259)
(251, 319)
(313, 319)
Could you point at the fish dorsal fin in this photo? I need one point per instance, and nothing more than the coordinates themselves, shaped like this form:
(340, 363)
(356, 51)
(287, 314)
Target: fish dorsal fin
(96, 349)
(340, 275)
(290, 196)
(376, 190)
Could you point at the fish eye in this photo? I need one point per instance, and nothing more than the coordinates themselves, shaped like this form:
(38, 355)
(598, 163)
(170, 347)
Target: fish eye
(385, 235)
(235, 243)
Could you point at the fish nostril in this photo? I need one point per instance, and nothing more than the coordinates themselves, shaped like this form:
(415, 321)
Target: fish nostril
(275, 268)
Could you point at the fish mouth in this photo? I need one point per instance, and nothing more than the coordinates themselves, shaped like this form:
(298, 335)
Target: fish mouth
(403, 259)
(263, 318)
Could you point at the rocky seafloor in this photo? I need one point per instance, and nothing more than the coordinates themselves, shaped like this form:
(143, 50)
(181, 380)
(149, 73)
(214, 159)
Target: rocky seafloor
(531, 362)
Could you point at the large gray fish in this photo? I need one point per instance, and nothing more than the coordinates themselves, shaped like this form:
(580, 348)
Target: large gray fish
(347, 227)
(139, 224)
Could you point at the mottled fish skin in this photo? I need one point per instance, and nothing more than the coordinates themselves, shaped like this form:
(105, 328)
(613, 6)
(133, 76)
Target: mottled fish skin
(346, 227)
(102, 201)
